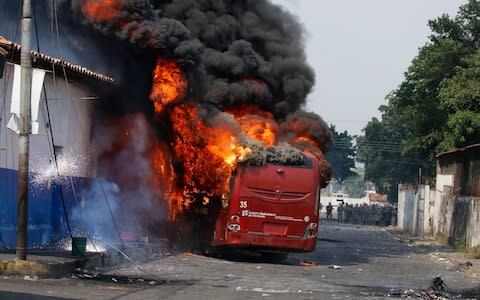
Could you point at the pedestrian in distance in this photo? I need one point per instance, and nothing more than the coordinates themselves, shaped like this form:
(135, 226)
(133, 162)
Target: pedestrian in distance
(340, 210)
(329, 212)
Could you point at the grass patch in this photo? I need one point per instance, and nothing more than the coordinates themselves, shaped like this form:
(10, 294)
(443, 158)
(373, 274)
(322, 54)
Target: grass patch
(474, 253)
(460, 244)
(441, 239)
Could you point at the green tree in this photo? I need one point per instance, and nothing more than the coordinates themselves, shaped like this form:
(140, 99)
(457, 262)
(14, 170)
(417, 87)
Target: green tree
(460, 98)
(380, 149)
(418, 102)
(354, 186)
(342, 155)
(436, 107)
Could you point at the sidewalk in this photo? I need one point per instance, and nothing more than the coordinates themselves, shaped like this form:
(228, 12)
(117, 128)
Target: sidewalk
(55, 264)
(44, 264)
(456, 260)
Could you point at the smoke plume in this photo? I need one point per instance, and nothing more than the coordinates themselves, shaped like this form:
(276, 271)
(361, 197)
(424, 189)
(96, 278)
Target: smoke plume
(229, 81)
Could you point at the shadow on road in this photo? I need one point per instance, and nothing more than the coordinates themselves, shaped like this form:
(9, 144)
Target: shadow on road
(337, 244)
(346, 244)
(26, 296)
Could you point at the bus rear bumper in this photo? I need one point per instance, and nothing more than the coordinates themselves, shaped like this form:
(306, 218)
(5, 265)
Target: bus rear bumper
(266, 241)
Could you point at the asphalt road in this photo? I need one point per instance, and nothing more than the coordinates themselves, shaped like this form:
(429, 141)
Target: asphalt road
(350, 262)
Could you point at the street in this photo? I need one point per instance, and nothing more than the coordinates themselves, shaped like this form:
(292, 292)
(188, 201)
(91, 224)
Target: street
(350, 262)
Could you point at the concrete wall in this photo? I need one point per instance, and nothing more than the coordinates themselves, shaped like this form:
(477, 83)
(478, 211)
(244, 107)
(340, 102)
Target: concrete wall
(463, 226)
(401, 206)
(448, 217)
(460, 215)
(444, 206)
(415, 209)
(451, 212)
(429, 211)
(473, 224)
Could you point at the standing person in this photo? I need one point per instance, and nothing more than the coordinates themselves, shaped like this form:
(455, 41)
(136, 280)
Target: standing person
(329, 211)
(340, 210)
(348, 213)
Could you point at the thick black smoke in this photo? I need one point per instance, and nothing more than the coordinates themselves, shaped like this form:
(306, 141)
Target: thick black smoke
(308, 125)
(249, 38)
(234, 52)
(230, 45)
(238, 51)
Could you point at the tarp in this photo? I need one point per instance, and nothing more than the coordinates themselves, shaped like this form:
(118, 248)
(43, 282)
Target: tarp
(38, 76)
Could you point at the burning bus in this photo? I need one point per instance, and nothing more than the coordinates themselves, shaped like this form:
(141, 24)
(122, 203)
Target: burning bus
(272, 208)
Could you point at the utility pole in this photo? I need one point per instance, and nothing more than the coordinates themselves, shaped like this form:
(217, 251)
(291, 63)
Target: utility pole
(24, 129)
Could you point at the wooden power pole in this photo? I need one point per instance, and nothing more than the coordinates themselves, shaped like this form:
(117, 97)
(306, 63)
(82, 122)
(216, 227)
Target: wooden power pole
(24, 130)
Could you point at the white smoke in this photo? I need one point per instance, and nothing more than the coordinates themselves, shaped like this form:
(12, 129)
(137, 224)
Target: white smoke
(97, 214)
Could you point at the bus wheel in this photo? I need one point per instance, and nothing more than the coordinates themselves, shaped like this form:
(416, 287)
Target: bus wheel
(274, 256)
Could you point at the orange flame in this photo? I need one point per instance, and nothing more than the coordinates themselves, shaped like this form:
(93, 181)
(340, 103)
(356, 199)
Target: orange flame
(257, 124)
(306, 139)
(209, 154)
(169, 84)
(100, 10)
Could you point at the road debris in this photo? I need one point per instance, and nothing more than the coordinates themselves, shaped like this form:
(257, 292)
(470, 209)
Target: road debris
(468, 264)
(306, 263)
(229, 277)
(442, 259)
(335, 267)
(192, 254)
(438, 284)
(272, 291)
(431, 294)
(30, 278)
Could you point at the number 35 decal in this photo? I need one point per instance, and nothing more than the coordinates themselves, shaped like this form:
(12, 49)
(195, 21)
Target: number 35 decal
(243, 204)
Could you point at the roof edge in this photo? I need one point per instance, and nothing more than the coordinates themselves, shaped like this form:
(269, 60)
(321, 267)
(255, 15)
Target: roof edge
(458, 150)
(8, 47)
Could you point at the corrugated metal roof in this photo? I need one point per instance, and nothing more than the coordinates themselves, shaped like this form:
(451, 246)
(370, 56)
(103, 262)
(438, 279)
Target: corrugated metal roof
(459, 150)
(11, 50)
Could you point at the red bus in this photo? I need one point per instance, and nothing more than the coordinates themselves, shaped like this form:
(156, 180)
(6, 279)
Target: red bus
(271, 208)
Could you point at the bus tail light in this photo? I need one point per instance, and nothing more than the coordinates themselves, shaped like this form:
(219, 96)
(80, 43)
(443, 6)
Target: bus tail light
(233, 223)
(310, 231)
(234, 227)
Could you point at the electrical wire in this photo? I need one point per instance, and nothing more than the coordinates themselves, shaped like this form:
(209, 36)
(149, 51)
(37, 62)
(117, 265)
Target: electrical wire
(111, 214)
(56, 164)
(55, 15)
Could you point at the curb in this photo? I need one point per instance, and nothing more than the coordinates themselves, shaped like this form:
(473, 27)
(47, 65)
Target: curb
(52, 266)
(36, 268)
